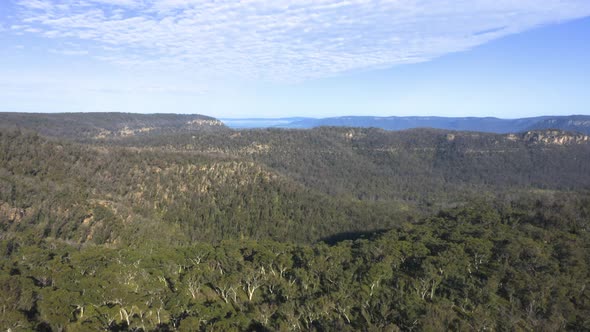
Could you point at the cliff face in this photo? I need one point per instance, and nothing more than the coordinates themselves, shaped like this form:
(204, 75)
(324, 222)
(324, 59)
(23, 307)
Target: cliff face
(554, 137)
(133, 128)
(573, 123)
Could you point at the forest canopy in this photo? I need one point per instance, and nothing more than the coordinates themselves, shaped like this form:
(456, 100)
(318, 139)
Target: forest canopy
(193, 226)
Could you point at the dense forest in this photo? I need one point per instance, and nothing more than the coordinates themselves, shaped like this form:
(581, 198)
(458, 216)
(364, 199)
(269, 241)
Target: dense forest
(192, 226)
(482, 267)
(103, 125)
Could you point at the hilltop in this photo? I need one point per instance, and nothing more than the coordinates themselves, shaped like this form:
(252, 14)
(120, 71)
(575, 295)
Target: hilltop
(106, 125)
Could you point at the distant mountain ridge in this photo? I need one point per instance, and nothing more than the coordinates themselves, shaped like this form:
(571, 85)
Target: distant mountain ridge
(577, 123)
(112, 125)
(106, 125)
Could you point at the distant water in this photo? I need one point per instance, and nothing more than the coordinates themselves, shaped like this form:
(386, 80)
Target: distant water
(258, 123)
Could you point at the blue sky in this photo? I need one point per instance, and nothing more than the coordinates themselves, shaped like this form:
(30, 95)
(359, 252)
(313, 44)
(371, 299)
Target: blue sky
(316, 58)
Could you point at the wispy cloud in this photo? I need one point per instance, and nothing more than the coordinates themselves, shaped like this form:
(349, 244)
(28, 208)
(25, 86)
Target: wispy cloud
(47, 85)
(154, 89)
(285, 40)
(68, 52)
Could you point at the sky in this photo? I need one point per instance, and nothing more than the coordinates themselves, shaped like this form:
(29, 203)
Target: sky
(313, 58)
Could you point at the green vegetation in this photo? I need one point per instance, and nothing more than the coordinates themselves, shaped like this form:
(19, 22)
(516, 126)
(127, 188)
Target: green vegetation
(482, 267)
(416, 166)
(86, 193)
(106, 125)
(327, 229)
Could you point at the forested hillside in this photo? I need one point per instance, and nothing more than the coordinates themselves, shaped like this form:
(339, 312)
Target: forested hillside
(90, 193)
(200, 227)
(103, 125)
(481, 267)
(416, 165)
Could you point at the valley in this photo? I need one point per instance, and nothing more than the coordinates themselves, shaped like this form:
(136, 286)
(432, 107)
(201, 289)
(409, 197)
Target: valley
(195, 226)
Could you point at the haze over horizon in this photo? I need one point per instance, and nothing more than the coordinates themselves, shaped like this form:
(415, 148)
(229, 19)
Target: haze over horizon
(296, 58)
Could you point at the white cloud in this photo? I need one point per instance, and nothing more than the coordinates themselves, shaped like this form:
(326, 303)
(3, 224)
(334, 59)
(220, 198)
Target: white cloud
(128, 3)
(286, 40)
(155, 89)
(35, 4)
(85, 86)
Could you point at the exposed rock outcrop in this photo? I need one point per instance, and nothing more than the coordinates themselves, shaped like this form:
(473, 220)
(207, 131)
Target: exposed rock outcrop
(554, 137)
